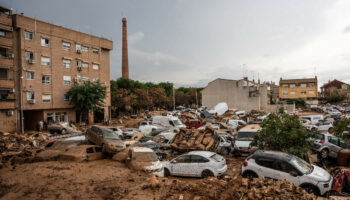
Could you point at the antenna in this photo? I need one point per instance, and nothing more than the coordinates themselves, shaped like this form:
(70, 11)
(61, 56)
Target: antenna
(315, 70)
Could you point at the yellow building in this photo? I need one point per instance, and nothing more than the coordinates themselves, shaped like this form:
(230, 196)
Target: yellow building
(298, 88)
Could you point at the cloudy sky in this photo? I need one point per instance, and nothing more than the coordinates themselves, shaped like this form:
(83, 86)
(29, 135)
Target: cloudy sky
(192, 42)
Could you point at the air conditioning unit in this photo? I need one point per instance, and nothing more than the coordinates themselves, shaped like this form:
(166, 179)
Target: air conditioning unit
(79, 68)
(31, 101)
(31, 61)
(12, 90)
(11, 55)
(79, 51)
(9, 113)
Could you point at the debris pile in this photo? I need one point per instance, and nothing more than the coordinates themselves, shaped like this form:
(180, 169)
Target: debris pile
(194, 139)
(236, 188)
(17, 148)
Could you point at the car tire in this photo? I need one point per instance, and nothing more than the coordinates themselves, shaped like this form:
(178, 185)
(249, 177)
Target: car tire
(225, 151)
(330, 130)
(250, 175)
(324, 153)
(311, 189)
(64, 131)
(206, 173)
(166, 172)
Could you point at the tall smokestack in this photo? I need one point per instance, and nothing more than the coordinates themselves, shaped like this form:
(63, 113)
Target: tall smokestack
(125, 62)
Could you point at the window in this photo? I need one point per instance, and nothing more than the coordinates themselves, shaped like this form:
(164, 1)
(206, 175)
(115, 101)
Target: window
(292, 85)
(79, 62)
(303, 85)
(3, 74)
(4, 94)
(30, 75)
(66, 97)
(28, 35)
(30, 96)
(45, 42)
(84, 48)
(94, 50)
(46, 79)
(311, 92)
(264, 162)
(292, 92)
(285, 92)
(3, 53)
(303, 92)
(285, 85)
(66, 46)
(2, 33)
(85, 79)
(284, 167)
(333, 140)
(46, 97)
(66, 63)
(95, 66)
(183, 159)
(45, 61)
(311, 84)
(85, 64)
(29, 55)
(78, 46)
(198, 159)
(66, 80)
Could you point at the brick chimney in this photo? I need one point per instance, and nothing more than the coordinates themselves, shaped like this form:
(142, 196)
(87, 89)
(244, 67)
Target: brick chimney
(125, 62)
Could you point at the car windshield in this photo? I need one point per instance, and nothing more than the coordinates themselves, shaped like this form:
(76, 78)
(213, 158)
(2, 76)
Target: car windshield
(245, 136)
(301, 165)
(145, 157)
(320, 137)
(177, 122)
(217, 157)
(109, 134)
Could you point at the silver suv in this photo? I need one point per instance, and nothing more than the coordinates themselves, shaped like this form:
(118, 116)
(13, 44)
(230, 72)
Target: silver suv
(328, 145)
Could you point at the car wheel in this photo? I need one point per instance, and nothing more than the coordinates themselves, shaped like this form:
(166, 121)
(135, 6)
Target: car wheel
(206, 173)
(330, 130)
(250, 175)
(166, 172)
(64, 131)
(324, 153)
(225, 151)
(311, 189)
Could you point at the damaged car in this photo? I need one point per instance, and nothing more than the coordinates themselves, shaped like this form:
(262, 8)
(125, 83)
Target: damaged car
(82, 153)
(105, 137)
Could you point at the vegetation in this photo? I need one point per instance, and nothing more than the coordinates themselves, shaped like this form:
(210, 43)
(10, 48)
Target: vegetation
(342, 125)
(334, 95)
(87, 97)
(299, 103)
(280, 132)
(129, 96)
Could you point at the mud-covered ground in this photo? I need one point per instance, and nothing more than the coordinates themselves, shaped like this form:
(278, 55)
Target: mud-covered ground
(101, 179)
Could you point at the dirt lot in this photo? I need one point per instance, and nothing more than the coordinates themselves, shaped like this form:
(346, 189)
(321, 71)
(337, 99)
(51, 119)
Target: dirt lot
(108, 179)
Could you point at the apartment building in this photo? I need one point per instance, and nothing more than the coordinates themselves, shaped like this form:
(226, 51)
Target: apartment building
(43, 61)
(298, 88)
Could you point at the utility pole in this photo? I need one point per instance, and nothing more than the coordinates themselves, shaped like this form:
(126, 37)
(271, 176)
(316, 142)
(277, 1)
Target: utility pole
(147, 100)
(174, 96)
(21, 96)
(196, 98)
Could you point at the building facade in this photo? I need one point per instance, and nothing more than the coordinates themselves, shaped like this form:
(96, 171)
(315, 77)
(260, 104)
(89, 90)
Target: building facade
(43, 62)
(240, 94)
(298, 88)
(335, 84)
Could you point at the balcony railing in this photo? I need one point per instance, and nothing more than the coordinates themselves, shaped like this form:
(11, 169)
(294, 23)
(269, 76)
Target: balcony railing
(6, 20)
(6, 62)
(7, 104)
(6, 41)
(7, 83)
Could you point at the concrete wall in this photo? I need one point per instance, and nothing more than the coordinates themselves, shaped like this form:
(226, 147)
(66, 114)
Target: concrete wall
(235, 94)
(290, 108)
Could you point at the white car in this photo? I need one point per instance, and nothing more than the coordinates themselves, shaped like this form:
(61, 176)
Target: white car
(196, 164)
(324, 125)
(244, 138)
(279, 165)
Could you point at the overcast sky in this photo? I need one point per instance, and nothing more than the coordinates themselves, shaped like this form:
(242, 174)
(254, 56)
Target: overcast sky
(192, 42)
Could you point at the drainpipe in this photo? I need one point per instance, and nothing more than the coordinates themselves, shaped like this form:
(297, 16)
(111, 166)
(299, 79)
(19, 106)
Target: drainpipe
(21, 95)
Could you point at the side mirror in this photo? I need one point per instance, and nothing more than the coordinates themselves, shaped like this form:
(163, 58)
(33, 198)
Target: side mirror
(293, 173)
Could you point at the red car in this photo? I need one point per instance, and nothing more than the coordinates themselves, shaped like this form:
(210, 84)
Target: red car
(194, 123)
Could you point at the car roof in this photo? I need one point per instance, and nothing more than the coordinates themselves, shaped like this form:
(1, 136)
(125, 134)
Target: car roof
(250, 128)
(142, 149)
(205, 154)
(276, 155)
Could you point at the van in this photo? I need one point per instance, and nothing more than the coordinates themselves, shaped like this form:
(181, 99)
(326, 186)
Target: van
(313, 118)
(167, 121)
(244, 138)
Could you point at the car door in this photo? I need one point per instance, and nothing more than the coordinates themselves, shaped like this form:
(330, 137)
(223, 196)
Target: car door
(284, 170)
(265, 167)
(96, 154)
(334, 147)
(180, 166)
(198, 165)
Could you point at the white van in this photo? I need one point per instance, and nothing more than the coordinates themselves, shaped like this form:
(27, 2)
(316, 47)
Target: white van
(313, 118)
(167, 121)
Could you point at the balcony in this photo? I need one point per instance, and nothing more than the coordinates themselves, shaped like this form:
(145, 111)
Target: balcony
(6, 20)
(7, 103)
(7, 83)
(6, 62)
(6, 41)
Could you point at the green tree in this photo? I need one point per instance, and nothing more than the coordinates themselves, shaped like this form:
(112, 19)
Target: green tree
(342, 125)
(87, 97)
(280, 132)
(333, 95)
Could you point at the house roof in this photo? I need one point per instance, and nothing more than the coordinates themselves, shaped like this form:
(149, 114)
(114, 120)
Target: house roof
(335, 83)
(303, 80)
